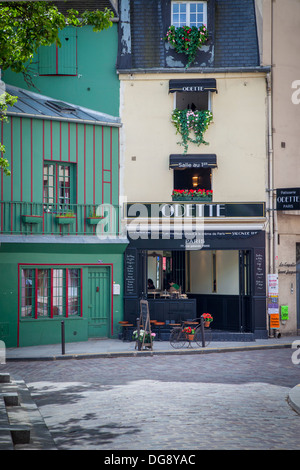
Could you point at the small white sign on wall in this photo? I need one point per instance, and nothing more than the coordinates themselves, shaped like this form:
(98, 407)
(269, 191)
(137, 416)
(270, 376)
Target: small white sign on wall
(273, 284)
(116, 289)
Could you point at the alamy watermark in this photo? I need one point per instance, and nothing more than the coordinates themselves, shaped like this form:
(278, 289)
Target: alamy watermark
(296, 94)
(296, 354)
(153, 221)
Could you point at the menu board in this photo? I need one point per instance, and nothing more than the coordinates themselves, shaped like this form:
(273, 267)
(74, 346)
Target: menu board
(259, 271)
(144, 316)
(130, 272)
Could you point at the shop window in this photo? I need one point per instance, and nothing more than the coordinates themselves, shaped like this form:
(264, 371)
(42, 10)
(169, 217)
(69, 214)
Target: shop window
(50, 292)
(189, 14)
(58, 188)
(165, 267)
(192, 178)
(60, 60)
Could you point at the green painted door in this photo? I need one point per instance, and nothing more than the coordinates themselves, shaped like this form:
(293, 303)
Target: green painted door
(99, 302)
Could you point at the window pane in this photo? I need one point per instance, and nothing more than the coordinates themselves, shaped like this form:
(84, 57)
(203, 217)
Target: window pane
(48, 187)
(193, 21)
(42, 293)
(175, 20)
(182, 19)
(197, 11)
(57, 292)
(64, 187)
(73, 291)
(27, 297)
(179, 14)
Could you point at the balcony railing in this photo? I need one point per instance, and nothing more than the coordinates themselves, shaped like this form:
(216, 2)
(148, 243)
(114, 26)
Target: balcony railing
(26, 218)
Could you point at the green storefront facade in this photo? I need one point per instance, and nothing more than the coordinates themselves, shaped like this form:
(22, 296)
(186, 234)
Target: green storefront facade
(35, 318)
(61, 255)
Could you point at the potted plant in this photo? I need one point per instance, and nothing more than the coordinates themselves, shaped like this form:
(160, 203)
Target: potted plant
(192, 195)
(32, 219)
(143, 336)
(190, 332)
(66, 218)
(187, 40)
(187, 121)
(207, 319)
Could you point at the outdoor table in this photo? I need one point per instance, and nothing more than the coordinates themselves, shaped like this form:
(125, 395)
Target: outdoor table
(159, 324)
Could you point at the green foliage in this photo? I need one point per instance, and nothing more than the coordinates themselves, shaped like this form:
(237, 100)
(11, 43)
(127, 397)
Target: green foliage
(5, 100)
(186, 121)
(187, 40)
(25, 26)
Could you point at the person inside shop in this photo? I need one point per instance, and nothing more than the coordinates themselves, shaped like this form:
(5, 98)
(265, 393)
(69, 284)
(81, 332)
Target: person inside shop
(151, 286)
(173, 287)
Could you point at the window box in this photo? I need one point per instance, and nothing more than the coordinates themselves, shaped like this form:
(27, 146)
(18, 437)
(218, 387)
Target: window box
(191, 195)
(192, 198)
(94, 220)
(32, 219)
(65, 219)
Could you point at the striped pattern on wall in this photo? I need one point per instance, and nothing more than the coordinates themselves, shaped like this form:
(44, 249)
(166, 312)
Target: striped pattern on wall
(92, 149)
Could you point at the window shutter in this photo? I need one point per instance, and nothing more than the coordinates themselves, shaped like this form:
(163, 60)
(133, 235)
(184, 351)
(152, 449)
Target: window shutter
(54, 60)
(67, 53)
(47, 60)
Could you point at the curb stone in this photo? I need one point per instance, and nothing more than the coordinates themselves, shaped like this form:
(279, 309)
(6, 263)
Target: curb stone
(294, 398)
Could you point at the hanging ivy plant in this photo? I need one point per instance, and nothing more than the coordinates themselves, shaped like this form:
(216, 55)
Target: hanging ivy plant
(186, 121)
(187, 40)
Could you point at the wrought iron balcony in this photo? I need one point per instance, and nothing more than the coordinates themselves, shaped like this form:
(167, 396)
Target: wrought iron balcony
(26, 218)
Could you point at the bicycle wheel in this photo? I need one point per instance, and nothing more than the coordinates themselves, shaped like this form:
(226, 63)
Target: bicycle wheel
(207, 337)
(177, 338)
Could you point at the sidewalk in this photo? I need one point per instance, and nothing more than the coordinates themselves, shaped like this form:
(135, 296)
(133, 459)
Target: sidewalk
(118, 348)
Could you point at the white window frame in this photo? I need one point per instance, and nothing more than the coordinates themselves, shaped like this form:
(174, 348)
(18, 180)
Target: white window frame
(188, 12)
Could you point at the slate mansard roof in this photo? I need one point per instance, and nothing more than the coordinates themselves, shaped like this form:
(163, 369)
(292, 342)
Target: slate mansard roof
(232, 41)
(34, 105)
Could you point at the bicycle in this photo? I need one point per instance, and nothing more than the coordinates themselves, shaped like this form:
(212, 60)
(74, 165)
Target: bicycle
(182, 334)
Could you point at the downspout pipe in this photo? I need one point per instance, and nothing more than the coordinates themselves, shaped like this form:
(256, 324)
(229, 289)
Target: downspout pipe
(270, 176)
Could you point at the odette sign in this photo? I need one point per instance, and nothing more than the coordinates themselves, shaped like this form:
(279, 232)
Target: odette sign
(288, 199)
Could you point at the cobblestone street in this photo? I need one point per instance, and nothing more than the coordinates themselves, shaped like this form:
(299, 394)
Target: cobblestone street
(235, 400)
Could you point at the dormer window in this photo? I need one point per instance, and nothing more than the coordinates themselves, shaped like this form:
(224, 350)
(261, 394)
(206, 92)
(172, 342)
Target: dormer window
(189, 14)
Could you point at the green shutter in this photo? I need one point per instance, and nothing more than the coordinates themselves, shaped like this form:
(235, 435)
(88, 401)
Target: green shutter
(47, 60)
(54, 60)
(67, 54)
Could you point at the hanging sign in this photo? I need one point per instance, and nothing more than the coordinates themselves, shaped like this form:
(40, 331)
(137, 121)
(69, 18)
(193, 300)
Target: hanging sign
(284, 312)
(273, 304)
(273, 284)
(288, 199)
(274, 320)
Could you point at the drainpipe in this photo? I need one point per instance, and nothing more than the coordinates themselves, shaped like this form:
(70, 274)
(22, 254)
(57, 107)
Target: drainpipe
(270, 176)
(273, 230)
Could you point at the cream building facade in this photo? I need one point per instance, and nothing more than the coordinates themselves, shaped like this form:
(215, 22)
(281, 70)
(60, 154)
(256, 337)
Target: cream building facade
(280, 24)
(225, 274)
